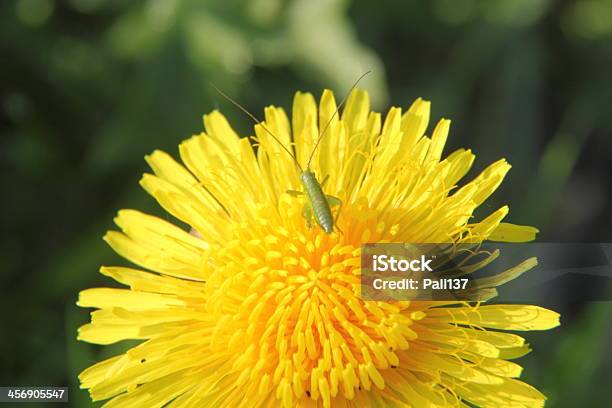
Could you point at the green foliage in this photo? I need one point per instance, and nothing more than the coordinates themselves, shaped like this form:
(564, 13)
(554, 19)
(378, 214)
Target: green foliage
(90, 86)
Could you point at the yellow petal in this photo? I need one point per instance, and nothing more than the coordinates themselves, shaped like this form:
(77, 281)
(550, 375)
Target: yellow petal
(355, 113)
(505, 317)
(506, 232)
(127, 299)
(438, 140)
(415, 121)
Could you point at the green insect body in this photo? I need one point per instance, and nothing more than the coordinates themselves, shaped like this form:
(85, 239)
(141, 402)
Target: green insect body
(318, 205)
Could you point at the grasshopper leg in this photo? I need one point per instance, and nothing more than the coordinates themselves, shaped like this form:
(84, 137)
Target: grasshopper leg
(335, 201)
(295, 193)
(308, 214)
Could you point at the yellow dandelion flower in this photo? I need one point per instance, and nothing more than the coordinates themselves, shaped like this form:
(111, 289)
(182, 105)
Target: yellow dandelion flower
(257, 309)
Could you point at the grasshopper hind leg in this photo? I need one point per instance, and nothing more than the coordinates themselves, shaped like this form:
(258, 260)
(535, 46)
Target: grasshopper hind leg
(308, 214)
(335, 201)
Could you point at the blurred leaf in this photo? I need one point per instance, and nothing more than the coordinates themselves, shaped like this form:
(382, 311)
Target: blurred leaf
(332, 49)
(570, 376)
(556, 165)
(142, 31)
(589, 19)
(88, 87)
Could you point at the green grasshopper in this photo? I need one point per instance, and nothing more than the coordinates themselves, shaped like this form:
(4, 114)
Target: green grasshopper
(318, 205)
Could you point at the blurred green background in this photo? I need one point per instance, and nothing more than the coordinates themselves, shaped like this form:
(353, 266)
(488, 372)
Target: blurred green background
(88, 87)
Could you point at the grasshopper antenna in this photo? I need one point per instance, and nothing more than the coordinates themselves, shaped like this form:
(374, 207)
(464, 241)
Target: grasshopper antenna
(333, 116)
(258, 122)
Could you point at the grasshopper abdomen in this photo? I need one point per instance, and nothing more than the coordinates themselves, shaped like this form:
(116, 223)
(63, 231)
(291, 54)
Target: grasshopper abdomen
(320, 206)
